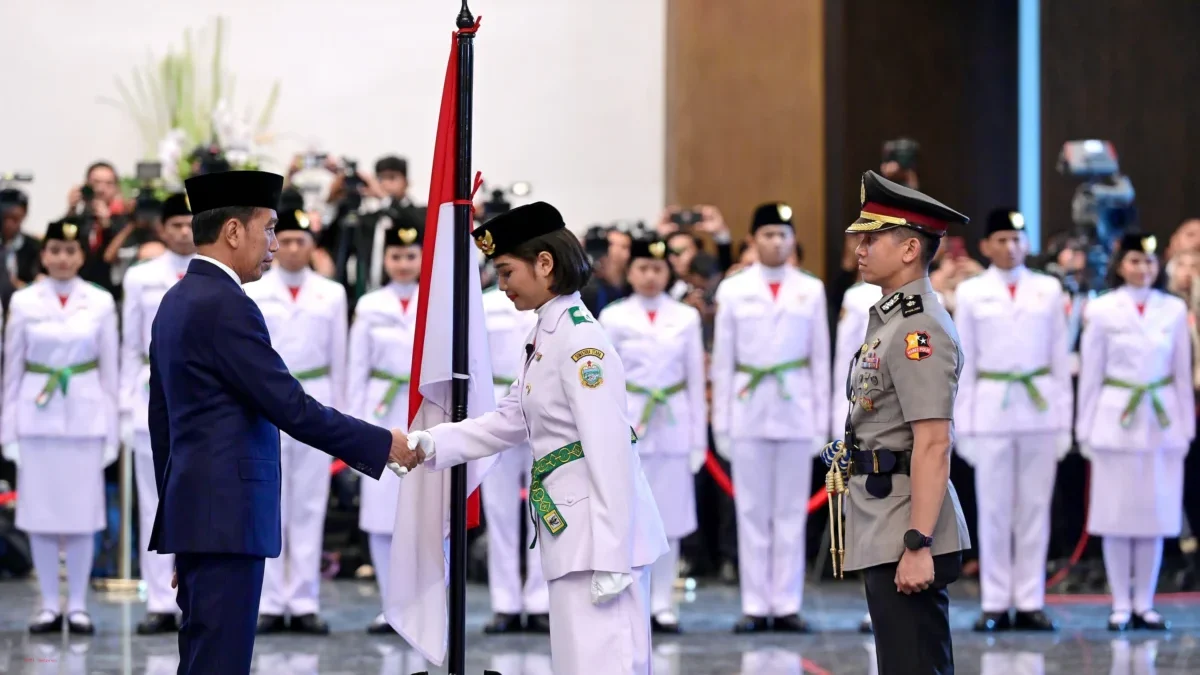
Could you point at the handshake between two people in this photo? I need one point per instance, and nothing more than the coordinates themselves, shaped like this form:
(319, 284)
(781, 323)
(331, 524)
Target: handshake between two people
(409, 450)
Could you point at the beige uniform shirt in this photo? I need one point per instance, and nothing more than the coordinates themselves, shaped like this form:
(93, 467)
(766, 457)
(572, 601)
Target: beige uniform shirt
(907, 371)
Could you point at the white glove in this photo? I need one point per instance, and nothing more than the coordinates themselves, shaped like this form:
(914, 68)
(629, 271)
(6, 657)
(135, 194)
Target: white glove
(126, 430)
(818, 446)
(1062, 444)
(724, 446)
(417, 439)
(608, 585)
(1086, 451)
(111, 452)
(697, 459)
(12, 453)
(963, 446)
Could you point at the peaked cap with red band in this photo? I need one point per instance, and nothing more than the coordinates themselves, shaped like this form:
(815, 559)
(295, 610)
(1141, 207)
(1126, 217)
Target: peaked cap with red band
(887, 205)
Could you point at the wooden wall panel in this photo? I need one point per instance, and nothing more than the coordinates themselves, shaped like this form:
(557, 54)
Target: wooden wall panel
(745, 111)
(1126, 71)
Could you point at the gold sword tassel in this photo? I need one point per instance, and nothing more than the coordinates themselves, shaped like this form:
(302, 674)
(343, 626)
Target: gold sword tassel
(835, 488)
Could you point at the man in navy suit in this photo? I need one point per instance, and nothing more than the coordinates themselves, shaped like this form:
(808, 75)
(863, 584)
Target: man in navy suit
(219, 395)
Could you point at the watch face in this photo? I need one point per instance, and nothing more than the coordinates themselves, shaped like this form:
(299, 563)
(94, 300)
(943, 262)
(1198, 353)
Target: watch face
(913, 540)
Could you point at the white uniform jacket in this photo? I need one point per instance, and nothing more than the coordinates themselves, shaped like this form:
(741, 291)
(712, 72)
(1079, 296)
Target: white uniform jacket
(664, 357)
(61, 364)
(507, 329)
(144, 286)
(1123, 350)
(309, 331)
(380, 358)
(571, 391)
(1016, 375)
(755, 330)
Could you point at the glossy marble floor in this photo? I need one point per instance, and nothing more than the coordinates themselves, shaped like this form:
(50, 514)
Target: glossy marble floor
(1082, 647)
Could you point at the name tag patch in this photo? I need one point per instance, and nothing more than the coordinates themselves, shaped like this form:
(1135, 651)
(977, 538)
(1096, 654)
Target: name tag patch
(590, 351)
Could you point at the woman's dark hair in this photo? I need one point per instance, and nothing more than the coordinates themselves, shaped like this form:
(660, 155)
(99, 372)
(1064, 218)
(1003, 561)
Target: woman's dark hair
(571, 267)
(206, 225)
(1113, 278)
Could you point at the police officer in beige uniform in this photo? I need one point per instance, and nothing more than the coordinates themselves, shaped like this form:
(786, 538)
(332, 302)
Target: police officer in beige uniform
(306, 317)
(1013, 420)
(904, 528)
(144, 286)
(770, 398)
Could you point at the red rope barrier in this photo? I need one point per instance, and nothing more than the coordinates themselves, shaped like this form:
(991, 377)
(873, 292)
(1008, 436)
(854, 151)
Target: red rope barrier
(6, 497)
(1080, 545)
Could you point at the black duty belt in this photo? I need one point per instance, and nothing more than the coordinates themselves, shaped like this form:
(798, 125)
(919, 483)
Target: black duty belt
(879, 466)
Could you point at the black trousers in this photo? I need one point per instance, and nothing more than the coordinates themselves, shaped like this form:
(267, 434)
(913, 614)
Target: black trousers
(912, 632)
(218, 595)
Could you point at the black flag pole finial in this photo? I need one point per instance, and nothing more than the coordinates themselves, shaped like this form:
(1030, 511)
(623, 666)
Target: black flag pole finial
(465, 18)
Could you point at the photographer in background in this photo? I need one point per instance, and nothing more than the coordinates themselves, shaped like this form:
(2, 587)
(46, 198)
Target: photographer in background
(98, 205)
(608, 248)
(900, 162)
(22, 254)
(140, 228)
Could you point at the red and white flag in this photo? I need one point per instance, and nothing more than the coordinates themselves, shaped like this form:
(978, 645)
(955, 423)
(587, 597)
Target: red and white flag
(416, 601)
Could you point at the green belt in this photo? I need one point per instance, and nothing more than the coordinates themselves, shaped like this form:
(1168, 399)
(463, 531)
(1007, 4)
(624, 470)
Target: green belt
(503, 381)
(1025, 379)
(1139, 391)
(758, 374)
(312, 373)
(59, 378)
(389, 397)
(655, 398)
(541, 506)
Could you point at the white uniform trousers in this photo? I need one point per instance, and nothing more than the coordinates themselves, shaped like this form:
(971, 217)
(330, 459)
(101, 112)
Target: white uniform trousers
(292, 582)
(771, 480)
(529, 663)
(504, 510)
(773, 660)
(1137, 659)
(612, 638)
(157, 569)
(1014, 485)
(1012, 663)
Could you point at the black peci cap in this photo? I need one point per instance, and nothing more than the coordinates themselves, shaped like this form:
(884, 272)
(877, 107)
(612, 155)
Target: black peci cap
(66, 229)
(175, 205)
(1004, 220)
(509, 230)
(259, 189)
(651, 247)
(1139, 242)
(887, 205)
(771, 213)
(404, 234)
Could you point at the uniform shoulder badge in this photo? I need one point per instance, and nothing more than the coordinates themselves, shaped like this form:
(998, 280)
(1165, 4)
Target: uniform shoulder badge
(578, 316)
(890, 304)
(917, 346)
(591, 375)
(590, 351)
(912, 305)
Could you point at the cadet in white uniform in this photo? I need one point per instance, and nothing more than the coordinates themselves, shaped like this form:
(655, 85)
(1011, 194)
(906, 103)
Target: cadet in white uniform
(598, 527)
(380, 355)
(507, 329)
(60, 420)
(661, 344)
(144, 286)
(771, 397)
(1013, 420)
(1136, 421)
(306, 316)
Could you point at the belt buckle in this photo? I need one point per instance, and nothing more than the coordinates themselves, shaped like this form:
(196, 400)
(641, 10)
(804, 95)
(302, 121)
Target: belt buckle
(875, 461)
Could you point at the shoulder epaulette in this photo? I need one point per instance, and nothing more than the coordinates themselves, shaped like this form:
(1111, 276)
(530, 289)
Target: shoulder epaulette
(807, 273)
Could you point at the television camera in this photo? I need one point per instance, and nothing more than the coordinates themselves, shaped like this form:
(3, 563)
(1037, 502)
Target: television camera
(1102, 207)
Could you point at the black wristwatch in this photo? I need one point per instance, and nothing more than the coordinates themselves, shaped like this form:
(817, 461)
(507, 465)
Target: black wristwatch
(915, 541)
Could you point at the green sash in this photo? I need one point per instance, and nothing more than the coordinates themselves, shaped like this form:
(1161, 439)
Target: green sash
(59, 378)
(654, 399)
(757, 375)
(503, 381)
(1025, 379)
(1138, 392)
(312, 373)
(389, 397)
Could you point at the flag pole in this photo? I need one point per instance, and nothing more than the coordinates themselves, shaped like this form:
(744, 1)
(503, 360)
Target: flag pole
(457, 639)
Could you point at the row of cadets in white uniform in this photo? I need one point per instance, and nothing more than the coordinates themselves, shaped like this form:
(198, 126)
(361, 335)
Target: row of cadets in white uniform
(306, 317)
(144, 285)
(771, 400)
(377, 379)
(1135, 421)
(59, 420)
(661, 343)
(1012, 420)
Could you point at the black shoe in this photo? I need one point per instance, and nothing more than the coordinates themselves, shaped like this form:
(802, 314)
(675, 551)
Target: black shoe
(1150, 620)
(866, 626)
(79, 623)
(380, 626)
(1035, 621)
(664, 627)
(792, 623)
(538, 623)
(269, 623)
(1118, 623)
(752, 624)
(46, 622)
(309, 624)
(992, 622)
(728, 573)
(503, 623)
(155, 623)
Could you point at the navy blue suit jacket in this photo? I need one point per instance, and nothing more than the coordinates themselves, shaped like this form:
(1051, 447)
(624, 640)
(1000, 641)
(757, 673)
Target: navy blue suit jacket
(219, 395)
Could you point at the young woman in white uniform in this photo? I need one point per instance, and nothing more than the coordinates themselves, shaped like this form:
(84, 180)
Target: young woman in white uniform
(60, 420)
(598, 527)
(660, 341)
(377, 376)
(1135, 421)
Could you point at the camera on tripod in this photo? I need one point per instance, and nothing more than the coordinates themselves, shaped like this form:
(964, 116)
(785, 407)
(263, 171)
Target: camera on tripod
(498, 204)
(148, 191)
(1102, 207)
